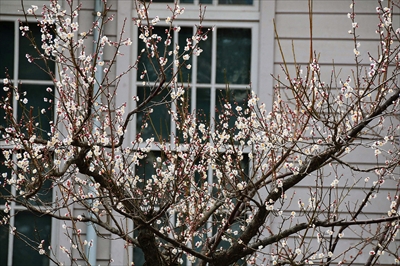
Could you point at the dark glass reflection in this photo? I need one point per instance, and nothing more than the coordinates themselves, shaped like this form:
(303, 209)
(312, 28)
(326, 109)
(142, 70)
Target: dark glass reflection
(233, 55)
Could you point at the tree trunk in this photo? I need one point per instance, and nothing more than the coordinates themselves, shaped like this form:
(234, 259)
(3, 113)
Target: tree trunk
(149, 247)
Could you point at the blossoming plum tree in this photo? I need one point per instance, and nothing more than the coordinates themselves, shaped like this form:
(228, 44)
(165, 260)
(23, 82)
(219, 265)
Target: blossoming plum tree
(255, 157)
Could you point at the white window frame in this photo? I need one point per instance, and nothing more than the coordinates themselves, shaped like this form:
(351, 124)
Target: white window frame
(214, 11)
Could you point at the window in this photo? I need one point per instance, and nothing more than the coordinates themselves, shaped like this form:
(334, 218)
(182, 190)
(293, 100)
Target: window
(226, 61)
(32, 81)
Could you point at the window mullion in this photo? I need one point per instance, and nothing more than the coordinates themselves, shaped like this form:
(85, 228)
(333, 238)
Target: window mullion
(36, 82)
(194, 79)
(15, 114)
(193, 100)
(133, 78)
(213, 75)
(16, 65)
(212, 110)
(254, 71)
(12, 216)
(11, 236)
(173, 106)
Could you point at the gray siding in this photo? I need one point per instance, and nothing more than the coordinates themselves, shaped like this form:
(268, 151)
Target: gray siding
(333, 43)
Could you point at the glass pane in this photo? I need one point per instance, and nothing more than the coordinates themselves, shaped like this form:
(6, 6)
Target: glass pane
(183, 107)
(244, 164)
(4, 189)
(185, 1)
(204, 61)
(158, 121)
(185, 74)
(225, 245)
(205, 1)
(234, 97)
(235, 2)
(150, 64)
(233, 56)
(4, 235)
(31, 229)
(3, 96)
(241, 166)
(203, 97)
(146, 169)
(138, 255)
(28, 70)
(6, 62)
(7, 49)
(45, 193)
(243, 169)
(32, 110)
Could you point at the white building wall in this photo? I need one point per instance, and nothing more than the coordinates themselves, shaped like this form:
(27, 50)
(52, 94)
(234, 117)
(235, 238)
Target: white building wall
(334, 45)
